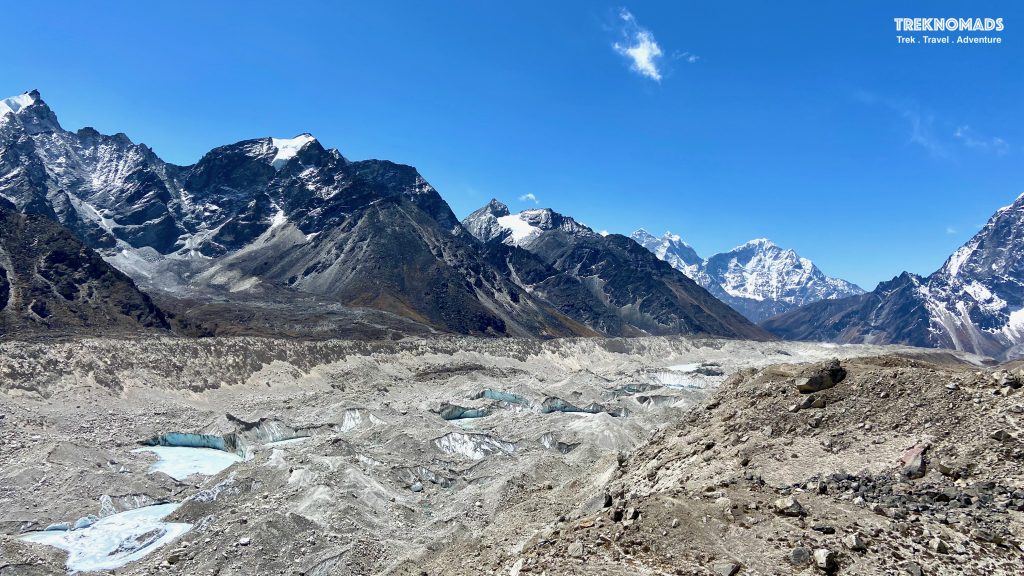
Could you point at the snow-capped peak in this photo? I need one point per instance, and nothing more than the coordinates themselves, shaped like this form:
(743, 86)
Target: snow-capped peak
(14, 104)
(287, 148)
(756, 243)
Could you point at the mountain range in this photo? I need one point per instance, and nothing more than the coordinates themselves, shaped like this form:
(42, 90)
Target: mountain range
(289, 226)
(287, 237)
(758, 278)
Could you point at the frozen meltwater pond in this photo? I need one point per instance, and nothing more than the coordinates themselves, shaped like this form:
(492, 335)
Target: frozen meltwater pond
(180, 462)
(115, 540)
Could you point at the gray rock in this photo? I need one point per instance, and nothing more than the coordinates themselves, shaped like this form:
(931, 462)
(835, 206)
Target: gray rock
(825, 559)
(799, 556)
(576, 550)
(853, 541)
(726, 568)
(789, 506)
(913, 568)
(938, 546)
(1001, 435)
(416, 487)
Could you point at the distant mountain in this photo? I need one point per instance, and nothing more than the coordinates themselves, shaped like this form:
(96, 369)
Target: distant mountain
(759, 279)
(49, 280)
(671, 248)
(975, 302)
(625, 289)
(260, 227)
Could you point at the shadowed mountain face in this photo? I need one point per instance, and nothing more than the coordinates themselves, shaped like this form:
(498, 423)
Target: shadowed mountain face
(254, 222)
(973, 303)
(50, 280)
(610, 280)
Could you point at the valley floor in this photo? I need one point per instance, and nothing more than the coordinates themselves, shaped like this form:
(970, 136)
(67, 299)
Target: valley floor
(487, 456)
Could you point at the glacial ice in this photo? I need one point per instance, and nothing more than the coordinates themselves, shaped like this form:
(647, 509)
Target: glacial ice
(115, 540)
(472, 446)
(180, 462)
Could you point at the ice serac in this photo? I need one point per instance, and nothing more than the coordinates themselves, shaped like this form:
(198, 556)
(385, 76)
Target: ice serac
(973, 303)
(608, 282)
(758, 278)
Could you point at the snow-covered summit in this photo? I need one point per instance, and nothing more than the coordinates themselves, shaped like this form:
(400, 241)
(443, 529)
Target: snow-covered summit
(15, 104)
(758, 278)
(672, 249)
(287, 148)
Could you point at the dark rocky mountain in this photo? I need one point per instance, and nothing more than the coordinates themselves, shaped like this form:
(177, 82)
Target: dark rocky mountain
(264, 225)
(264, 214)
(758, 278)
(975, 302)
(49, 281)
(622, 287)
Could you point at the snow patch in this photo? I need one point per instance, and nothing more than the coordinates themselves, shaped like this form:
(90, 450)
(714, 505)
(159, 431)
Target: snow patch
(520, 229)
(287, 148)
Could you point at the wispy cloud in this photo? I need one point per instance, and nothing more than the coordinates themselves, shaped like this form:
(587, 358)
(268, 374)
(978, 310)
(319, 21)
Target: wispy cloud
(529, 197)
(933, 134)
(950, 230)
(922, 132)
(639, 46)
(972, 139)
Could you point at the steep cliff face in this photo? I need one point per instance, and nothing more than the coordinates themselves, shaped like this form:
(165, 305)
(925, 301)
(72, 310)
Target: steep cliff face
(49, 280)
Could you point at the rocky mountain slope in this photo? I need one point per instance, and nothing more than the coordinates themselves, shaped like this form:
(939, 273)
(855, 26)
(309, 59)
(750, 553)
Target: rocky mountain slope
(255, 221)
(908, 465)
(608, 279)
(759, 279)
(973, 303)
(50, 281)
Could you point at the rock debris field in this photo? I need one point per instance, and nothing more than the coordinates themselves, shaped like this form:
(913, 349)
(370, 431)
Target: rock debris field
(512, 456)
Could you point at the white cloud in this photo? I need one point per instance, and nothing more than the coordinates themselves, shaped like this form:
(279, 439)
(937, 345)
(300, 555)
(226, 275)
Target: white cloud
(529, 197)
(972, 139)
(950, 230)
(639, 46)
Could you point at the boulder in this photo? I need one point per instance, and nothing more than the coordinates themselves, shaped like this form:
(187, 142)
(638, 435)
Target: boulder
(854, 542)
(914, 462)
(821, 377)
(825, 559)
(799, 556)
(789, 506)
(576, 550)
(913, 568)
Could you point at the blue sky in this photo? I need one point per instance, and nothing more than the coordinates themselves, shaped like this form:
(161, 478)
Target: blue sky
(802, 122)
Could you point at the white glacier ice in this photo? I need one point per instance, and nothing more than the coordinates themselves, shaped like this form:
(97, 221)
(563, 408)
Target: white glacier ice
(115, 540)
